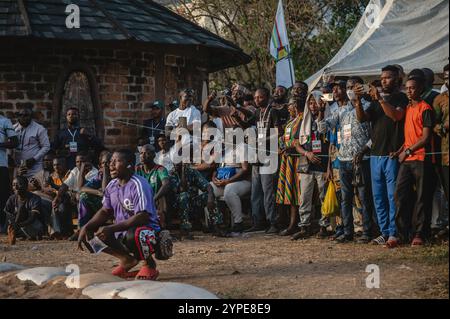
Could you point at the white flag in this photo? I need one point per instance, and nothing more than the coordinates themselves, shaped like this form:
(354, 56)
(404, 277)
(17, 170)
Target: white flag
(281, 51)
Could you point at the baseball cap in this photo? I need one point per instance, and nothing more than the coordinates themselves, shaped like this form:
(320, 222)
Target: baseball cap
(159, 104)
(174, 105)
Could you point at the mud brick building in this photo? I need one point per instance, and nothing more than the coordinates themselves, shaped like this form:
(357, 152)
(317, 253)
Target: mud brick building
(126, 53)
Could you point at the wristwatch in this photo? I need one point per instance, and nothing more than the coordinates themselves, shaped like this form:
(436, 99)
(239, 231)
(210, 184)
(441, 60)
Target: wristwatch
(408, 152)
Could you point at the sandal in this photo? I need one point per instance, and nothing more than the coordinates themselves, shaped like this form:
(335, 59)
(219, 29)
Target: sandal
(147, 273)
(392, 242)
(121, 272)
(417, 241)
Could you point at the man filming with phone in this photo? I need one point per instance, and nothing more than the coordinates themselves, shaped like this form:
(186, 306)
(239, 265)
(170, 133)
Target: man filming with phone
(386, 114)
(185, 115)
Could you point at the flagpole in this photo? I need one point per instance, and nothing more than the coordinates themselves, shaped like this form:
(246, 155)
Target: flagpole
(290, 67)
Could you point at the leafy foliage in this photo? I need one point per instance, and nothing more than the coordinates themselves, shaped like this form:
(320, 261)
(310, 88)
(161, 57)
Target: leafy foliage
(317, 29)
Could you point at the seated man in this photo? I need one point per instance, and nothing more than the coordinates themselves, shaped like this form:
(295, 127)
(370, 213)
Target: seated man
(23, 212)
(71, 185)
(186, 183)
(158, 178)
(128, 199)
(38, 181)
(91, 191)
(59, 218)
(164, 156)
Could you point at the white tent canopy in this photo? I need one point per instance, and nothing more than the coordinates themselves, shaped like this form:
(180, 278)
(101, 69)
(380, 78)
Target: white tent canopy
(411, 33)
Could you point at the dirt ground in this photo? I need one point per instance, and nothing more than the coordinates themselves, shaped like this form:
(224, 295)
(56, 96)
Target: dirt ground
(259, 266)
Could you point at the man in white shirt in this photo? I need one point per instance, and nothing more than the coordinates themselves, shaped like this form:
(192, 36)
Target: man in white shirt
(72, 183)
(185, 115)
(33, 144)
(164, 156)
(8, 140)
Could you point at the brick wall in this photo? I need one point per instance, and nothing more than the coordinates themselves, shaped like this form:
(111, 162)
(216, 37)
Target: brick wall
(126, 79)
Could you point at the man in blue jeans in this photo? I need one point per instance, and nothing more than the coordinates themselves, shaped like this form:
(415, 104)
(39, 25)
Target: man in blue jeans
(386, 114)
(354, 165)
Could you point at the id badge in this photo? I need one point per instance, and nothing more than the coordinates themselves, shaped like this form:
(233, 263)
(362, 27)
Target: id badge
(153, 180)
(347, 131)
(317, 146)
(261, 132)
(287, 136)
(151, 140)
(73, 147)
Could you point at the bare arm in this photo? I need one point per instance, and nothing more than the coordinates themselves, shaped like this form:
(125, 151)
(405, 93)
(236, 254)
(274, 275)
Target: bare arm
(361, 115)
(424, 140)
(396, 114)
(99, 219)
(164, 190)
(241, 174)
(207, 105)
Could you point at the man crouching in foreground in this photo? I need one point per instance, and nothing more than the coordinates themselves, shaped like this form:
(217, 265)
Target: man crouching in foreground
(135, 234)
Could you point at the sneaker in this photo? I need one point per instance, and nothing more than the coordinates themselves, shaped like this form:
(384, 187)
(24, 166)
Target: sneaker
(302, 234)
(164, 247)
(272, 230)
(392, 242)
(237, 228)
(380, 240)
(343, 239)
(289, 231)
(417, 241)
(364, 239)
(255, 228)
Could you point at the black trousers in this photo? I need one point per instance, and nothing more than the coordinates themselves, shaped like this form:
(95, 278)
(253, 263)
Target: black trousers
(5, 192)
(414, 183)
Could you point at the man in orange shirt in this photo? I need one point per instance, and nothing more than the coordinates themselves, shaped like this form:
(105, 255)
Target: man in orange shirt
(416, 166)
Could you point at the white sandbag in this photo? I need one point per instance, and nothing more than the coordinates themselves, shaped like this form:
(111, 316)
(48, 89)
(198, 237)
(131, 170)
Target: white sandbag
(4, 267)
(85, 280)
(107, 290)
(165, 290)
(142, 289)
(41, 275)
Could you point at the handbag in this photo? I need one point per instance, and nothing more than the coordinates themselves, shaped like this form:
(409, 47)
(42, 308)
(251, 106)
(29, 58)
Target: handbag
(224, 173)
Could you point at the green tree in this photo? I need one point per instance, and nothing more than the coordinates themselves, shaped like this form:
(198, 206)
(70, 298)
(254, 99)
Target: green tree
(317, 29)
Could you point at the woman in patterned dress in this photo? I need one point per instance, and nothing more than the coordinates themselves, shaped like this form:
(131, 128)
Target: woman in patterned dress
(288, 190)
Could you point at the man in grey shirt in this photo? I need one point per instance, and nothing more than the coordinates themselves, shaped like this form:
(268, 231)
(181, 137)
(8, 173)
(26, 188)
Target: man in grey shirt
(8, 140)
(33, 144)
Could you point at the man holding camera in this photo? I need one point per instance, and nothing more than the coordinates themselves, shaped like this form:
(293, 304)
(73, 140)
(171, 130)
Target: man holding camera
(386, 114)
(231, 111)
(354, 169)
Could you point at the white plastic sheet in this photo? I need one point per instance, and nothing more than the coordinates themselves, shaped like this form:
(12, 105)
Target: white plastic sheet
(146, 290)
(40, 275)
(412, 33)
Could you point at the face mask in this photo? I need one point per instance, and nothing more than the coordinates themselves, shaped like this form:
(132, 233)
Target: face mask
(351, 95)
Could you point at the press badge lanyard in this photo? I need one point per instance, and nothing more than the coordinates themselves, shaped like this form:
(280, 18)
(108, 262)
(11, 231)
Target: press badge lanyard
(152, 138)
(73, 147)
(73, 134)
(23, 133)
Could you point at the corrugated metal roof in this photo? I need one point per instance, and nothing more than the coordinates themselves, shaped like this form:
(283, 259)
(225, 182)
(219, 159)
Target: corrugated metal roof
(108, 20)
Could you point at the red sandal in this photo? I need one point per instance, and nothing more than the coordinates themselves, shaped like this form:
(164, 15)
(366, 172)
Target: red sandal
(121, 272)
(147, 273)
